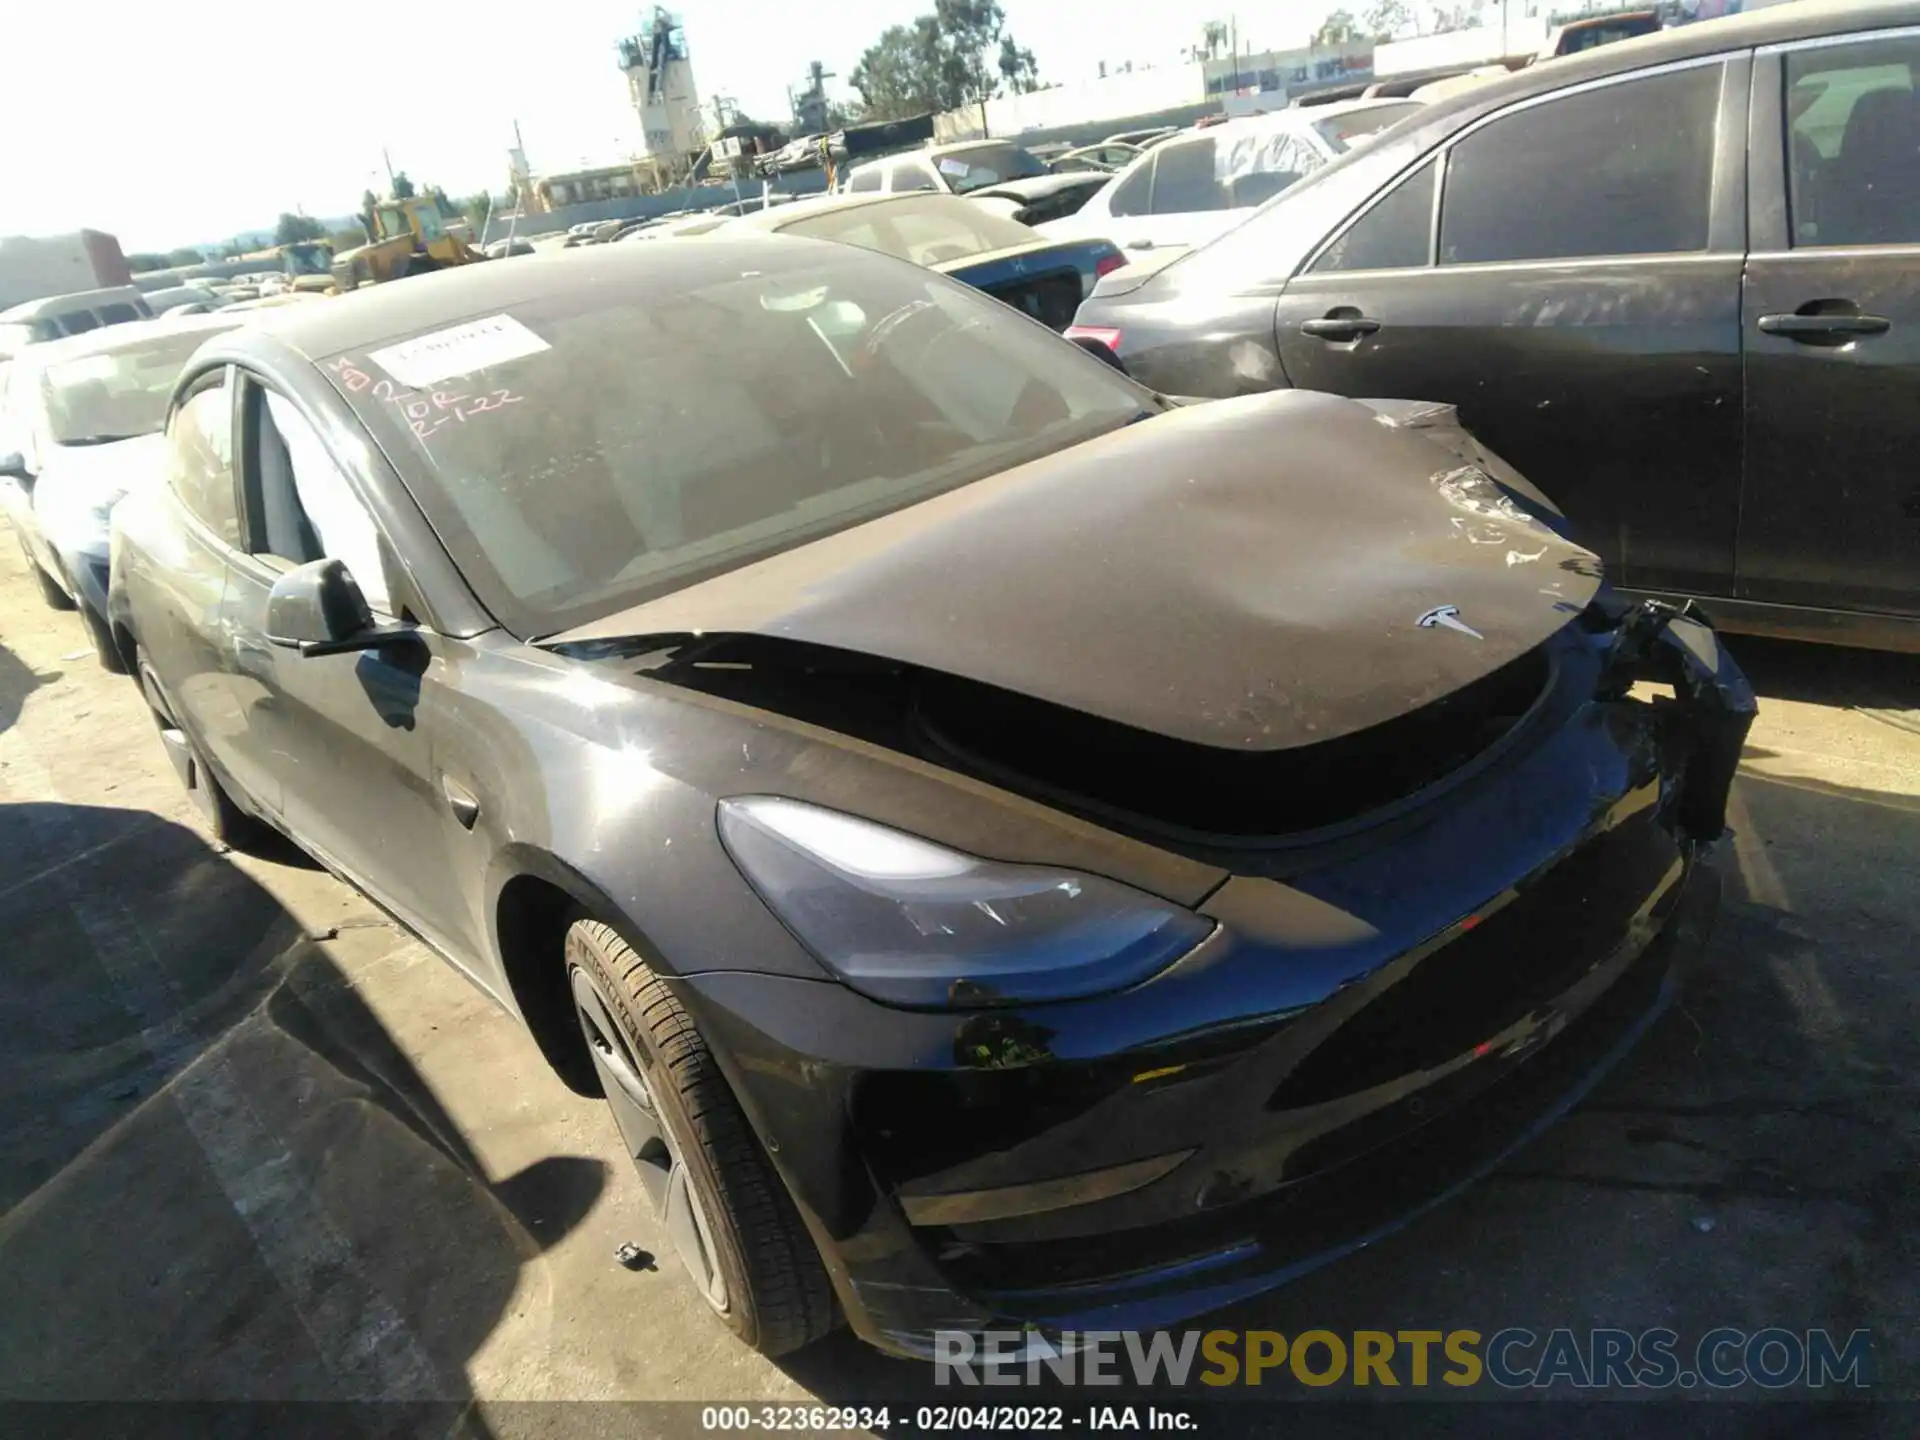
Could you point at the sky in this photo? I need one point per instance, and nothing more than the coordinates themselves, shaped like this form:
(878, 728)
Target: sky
(180, 126)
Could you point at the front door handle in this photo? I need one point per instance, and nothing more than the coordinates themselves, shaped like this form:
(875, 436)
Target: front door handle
(1814, 328)
(1340, 327)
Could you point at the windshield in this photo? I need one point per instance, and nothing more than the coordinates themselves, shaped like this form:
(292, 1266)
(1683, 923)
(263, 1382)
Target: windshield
(979, 165)
(306, 259)
(1587, 37)
(116, 395)
(1341, 131)
(925, 229)
(612, 446)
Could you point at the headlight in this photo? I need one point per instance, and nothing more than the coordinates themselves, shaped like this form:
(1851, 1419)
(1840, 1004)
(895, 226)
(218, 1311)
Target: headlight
(911, 923)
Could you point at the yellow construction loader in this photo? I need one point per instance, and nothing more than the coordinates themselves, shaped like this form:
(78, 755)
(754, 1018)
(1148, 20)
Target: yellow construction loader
(410, 237)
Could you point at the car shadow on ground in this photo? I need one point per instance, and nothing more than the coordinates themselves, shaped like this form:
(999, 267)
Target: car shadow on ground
(1873, 680)
(17, 681)
(220, 1176)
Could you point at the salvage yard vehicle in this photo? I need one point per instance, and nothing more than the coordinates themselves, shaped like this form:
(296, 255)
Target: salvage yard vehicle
(1009, 848)
(1189, 189)
(408, 237)
(59, 317)
(946, 169)
(86, 415)
(1675, 280)
(1044, 278)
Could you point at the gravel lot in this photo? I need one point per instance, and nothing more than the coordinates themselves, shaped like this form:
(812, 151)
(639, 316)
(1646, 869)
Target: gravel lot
(255, 1143)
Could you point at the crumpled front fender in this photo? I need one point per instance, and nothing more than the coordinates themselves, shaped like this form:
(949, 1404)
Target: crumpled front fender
(1713, 706)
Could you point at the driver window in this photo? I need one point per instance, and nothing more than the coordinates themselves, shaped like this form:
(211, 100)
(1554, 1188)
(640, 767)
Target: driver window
(300, 504)
(1130, 196)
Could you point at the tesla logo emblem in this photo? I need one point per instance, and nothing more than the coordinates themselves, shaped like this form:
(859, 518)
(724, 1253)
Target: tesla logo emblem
(1449, 616)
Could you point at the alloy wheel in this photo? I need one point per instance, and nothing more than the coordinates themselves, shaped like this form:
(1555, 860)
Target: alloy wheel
(649, 1139)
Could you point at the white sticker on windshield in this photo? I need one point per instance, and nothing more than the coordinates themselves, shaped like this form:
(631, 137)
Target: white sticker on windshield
(459, 350)
(950, 166)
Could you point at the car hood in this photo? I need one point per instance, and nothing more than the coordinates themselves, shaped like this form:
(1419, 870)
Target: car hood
(83, 474)
(1253, 574)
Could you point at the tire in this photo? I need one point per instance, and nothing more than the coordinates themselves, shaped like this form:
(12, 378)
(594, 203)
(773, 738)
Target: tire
(727, 1213)
(101, 634)
(226, 822)
(50, 591)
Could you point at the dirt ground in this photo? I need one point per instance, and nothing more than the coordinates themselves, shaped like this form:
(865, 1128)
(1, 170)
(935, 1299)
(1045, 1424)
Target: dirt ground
(257, 1144)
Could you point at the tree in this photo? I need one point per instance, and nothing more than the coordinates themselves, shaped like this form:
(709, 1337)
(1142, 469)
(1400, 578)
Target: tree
(1213, 36)
(292, 229)
(1336, 30)
(1447, 18)
(899, 74)
(968, 30)
(477, 206)
(185, 255)
(1387, 19)
(368, 200)
(402, 187)
(959, 55)
(1017, 68)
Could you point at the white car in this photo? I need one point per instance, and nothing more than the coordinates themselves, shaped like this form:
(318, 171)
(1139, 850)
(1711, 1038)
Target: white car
(957, 168)
(80, 426)
(1195, 186)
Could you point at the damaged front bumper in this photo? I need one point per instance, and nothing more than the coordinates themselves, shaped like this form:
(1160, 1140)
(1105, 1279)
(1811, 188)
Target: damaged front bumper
(1376, 1020)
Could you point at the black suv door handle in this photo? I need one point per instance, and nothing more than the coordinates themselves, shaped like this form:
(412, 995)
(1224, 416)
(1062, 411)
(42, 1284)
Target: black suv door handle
(1340, 327)
(1815, 328)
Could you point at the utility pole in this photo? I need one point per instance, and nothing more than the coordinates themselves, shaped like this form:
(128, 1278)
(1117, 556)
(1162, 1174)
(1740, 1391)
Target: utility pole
(389, 162)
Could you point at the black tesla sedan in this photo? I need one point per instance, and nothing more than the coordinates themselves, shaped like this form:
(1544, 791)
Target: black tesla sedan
(1007, 847)
(1676, 280)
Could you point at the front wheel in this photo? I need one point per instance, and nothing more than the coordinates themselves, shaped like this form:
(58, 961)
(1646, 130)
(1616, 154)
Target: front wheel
(101, 634)
(729, 1217)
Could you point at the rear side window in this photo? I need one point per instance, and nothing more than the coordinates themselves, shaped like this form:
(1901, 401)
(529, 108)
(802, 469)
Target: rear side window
(864, 180)
(1853, 144)
(912, 177)
(78, 322)
(1131, 195)
(200, 460)
(118, 314)
(1183, 179)
(1395, 234)
(1625, 169)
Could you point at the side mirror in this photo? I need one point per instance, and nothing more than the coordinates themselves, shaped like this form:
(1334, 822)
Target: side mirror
(317, 609)
(13, 466)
